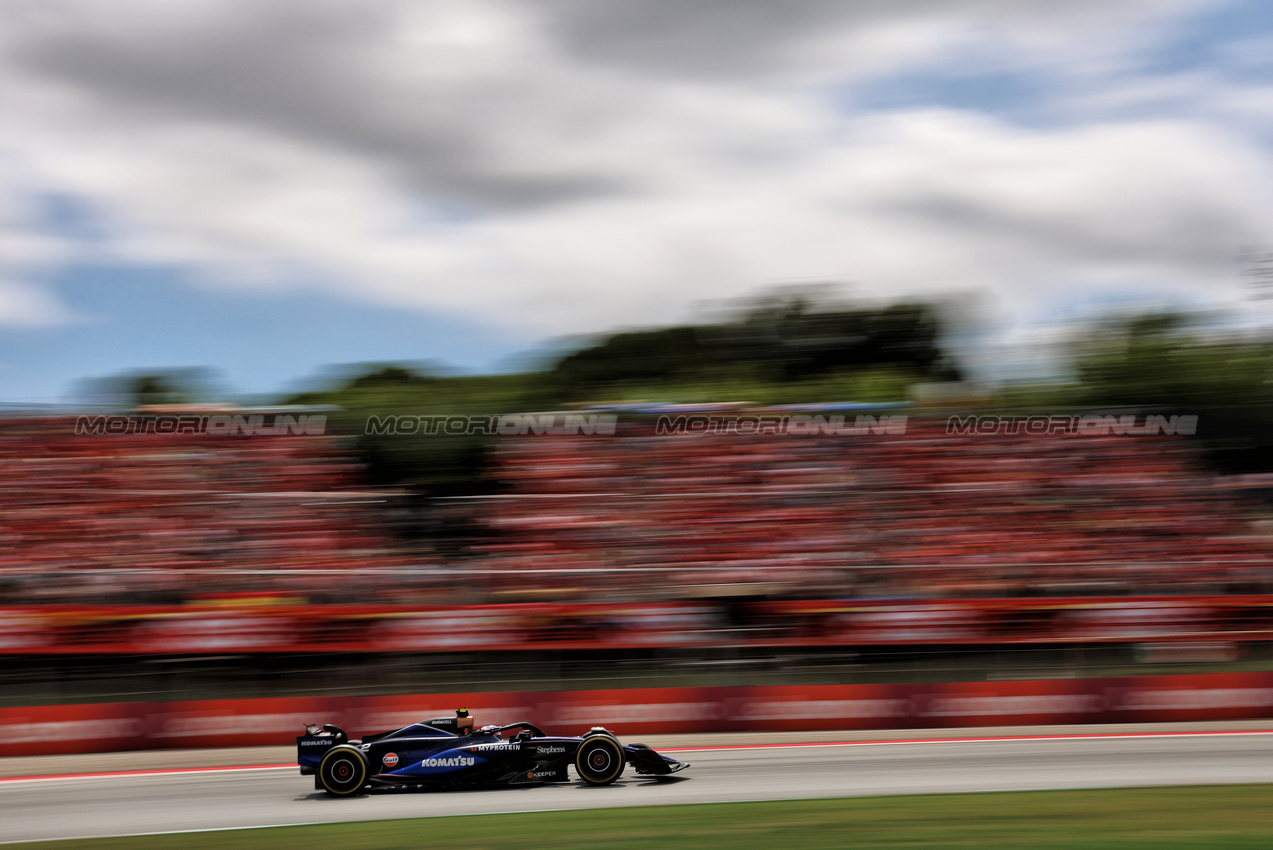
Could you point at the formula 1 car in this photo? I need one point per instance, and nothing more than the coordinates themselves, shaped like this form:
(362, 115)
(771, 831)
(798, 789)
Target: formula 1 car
(446, 751)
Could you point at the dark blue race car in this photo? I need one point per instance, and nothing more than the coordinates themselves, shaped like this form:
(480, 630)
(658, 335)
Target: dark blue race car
(447, 751)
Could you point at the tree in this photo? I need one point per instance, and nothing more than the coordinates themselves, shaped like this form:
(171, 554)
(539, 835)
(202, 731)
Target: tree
(1156, 360)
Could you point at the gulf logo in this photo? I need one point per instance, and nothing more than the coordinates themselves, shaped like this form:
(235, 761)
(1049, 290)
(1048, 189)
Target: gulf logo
(390, 760)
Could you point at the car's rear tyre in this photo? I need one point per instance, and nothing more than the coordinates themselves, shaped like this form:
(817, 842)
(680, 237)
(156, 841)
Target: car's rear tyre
(599, 760)
(343, 771)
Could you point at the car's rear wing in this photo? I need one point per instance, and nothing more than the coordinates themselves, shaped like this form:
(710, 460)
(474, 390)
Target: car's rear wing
(314, 744)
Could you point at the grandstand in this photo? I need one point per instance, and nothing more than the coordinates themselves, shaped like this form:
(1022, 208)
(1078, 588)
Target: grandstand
(923, 513)
(142, 516)
(919, 514)
(603, 558)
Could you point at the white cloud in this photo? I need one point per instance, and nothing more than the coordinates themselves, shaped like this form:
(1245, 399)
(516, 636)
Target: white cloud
(23, 305)
(565, 167)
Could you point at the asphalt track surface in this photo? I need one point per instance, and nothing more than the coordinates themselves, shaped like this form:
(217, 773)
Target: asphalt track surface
(181, 800)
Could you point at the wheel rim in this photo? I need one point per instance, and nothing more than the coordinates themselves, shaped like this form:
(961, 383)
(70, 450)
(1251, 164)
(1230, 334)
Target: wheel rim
(343, 773)
(600, 761)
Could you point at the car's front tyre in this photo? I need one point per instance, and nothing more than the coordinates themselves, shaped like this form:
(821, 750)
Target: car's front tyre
(343, 771)
(599, 760)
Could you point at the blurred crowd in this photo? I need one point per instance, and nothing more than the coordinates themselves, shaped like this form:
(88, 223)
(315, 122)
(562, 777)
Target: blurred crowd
(920, 514)
(161, 517)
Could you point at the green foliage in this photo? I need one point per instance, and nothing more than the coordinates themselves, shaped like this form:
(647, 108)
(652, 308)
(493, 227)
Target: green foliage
(1187, 818)
(781, 351)
(1153, 360)
(153, 389)
(147, 388)
(1164, 362)
(776, 343)
(872, 384)
(435, 465)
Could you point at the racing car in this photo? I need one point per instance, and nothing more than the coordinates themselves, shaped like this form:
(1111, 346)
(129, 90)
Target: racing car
(448, 751)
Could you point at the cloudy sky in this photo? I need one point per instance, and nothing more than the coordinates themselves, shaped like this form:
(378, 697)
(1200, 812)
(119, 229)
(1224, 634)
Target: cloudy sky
(268, 187)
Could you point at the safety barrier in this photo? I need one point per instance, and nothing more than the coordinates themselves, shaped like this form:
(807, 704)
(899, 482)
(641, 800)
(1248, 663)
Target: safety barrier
(38, 730)
(266, 628)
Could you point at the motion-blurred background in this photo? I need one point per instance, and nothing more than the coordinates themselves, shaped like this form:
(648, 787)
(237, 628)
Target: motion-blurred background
(170, 548)
(848, 229)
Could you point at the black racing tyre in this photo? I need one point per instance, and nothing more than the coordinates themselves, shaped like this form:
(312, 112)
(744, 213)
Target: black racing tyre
(599, 760)
(343, 771)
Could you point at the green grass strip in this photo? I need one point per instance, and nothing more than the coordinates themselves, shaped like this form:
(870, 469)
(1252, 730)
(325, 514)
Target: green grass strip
(1204, 817)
